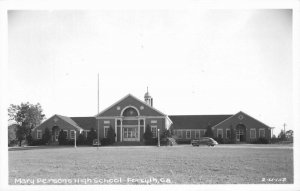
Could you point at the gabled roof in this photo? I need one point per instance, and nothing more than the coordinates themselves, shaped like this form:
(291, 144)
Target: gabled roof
(129, 95)
(69, 120)
(85, 122)
(196, 121)
(238, 113)
(66, 119)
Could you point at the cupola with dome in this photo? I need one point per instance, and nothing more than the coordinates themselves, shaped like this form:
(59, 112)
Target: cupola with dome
(148, 98)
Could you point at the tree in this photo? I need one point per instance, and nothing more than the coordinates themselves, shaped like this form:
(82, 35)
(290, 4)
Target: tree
(282, 135)
(46, 136)
(20, 134)
(289, 134)
(62, 137)
(27, 116)
(111, 135)
(148, 135)
(91, 136)
(209, 132)
(166, 133)
(81, 139)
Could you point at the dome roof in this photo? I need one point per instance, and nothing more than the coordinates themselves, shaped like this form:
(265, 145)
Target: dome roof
(147, 94)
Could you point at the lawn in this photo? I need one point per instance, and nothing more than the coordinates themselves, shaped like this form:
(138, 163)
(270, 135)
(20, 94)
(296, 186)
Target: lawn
(233, 164)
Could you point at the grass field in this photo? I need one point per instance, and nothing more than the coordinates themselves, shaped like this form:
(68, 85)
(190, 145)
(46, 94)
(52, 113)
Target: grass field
(233, 164)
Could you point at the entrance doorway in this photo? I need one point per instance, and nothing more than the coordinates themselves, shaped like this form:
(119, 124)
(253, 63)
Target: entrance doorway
(131, 133)
(240, 133)
(55, 133)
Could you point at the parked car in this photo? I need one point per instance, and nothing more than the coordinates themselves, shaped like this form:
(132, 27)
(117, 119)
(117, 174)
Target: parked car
(204, 141)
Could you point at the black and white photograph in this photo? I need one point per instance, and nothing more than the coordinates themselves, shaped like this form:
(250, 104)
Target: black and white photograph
(176, 94)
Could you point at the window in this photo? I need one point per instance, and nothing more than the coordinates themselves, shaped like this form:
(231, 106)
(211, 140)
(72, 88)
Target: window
(39, 134)
(197, 134)
(153, 121)
(141, 122)
(220, 133)
(228, 133)
(188, 134)
(261, 132)
(202, 132)
(179, 133)
(72, 134)
(154, 130)
(118, 122)
(106, 122)
(252, 133)
(105, 131)
(66, 133)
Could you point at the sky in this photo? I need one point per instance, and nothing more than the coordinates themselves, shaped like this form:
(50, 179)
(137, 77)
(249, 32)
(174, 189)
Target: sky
(194, 62)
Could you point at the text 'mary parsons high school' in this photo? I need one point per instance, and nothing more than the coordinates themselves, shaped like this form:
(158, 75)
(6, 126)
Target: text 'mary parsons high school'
(130, 116)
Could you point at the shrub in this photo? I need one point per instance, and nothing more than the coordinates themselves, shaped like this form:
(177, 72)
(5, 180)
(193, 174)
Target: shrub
(219, 139)
(47, 136)
(62, 137)
(209, 132)
(111, 135)
(148, 136)
(29, 139)
(105, 141)
(81, 139)
(12, 143)
(91, 136)
(261, 140)
(37, 142)
(183, 141)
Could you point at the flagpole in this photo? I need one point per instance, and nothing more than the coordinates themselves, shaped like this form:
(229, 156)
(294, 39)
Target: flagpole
(97, 114)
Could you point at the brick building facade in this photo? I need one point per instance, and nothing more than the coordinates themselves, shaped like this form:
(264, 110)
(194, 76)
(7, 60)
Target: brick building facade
(130, 116)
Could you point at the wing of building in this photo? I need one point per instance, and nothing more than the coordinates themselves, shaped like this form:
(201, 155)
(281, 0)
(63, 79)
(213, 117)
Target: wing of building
(236, 128)
(130, 116)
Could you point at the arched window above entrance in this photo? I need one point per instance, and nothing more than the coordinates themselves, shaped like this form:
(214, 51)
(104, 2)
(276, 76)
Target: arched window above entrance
(130, 112)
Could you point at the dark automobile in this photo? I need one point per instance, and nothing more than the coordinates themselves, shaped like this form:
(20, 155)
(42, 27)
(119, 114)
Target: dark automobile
(204, 141)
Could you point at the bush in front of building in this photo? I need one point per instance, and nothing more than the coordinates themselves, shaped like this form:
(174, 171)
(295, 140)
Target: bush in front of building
(37, 142)
(148, 136)
(261, 140)
(81, 139)
(12, 143)
(209, 132)
(29, 139)
(183, 141)
(46, 136)
(105, 141)
(91, 136)
(62, 138)
(219, 139)
(111, 135)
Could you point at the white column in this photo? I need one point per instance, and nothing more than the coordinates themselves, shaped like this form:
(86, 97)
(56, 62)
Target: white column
(144, 125)
(139, 139)
(121, 130)
(116, 130)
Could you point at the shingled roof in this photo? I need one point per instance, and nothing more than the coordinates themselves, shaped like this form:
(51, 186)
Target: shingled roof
(85, 123)
(196, 121)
